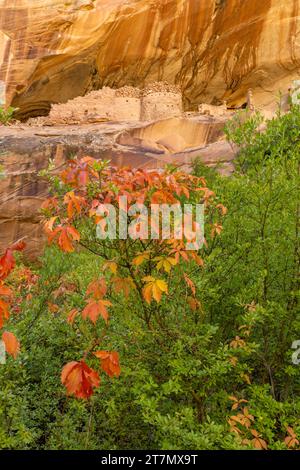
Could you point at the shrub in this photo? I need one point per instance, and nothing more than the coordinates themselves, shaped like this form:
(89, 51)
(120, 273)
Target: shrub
(7, 114)
(206, 361)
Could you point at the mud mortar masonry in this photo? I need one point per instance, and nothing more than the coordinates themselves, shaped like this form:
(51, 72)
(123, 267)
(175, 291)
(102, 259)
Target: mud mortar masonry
(157, 101)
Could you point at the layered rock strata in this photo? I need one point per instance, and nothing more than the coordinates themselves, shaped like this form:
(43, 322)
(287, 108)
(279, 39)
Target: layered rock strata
(214, 50)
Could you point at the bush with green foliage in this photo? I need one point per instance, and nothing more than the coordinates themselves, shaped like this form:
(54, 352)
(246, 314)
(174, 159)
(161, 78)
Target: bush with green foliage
(215, 376)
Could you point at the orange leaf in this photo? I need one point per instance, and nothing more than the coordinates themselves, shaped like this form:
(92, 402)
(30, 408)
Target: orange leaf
(74, 203)
(233, 361)
(49, 224)
(97, 289)
(222, 208)
(4, 312)
(291, 441)
(237, 342)
(6, 291)
(291, 431)
(53, 308)
(71, 316)
(109, 362)
(190, 283)
(193, 303)
(259, 443)
(232, 398)
(7, 264)
(123, 285)
(112, 265)
(79, 379)
(66, 236)
(12, 345)
(199, 261)
(216, 229)
(154, 289)
(96, 308)
(141, 258)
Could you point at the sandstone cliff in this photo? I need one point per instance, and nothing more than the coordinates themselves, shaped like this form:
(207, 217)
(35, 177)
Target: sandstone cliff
(54, 50)
(25, 150)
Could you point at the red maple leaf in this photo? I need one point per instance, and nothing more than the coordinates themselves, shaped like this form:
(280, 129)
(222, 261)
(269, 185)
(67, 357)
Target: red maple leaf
(79, 379)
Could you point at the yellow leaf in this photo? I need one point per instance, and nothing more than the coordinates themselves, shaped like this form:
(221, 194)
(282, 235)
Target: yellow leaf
(141, 258)
(154, 289)
(162, 285)
(165, 263)
(112, 265)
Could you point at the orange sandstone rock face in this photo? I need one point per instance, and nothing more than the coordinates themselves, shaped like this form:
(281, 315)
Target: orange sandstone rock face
(215, 50)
